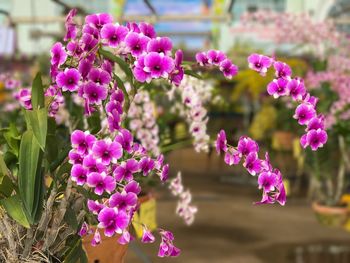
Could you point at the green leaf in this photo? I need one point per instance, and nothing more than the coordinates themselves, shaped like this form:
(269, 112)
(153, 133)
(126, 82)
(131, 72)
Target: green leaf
(51, 140)
(94, 122)
(6, 187)
(12, 138)
(122, 64)
(38, 99)
(71, 218)
(11, 161)
(39, 196)
(65, 168)
(60, 158)
(76, 254)
(188, 63)
(30, 179)
(3, 168)
(120, 84)
(193, 74)
(14, 208)
(37, 121)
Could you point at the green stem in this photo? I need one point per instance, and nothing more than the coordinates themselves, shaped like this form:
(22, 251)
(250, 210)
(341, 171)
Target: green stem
(177, 145)
(127, 99)
(317, 166)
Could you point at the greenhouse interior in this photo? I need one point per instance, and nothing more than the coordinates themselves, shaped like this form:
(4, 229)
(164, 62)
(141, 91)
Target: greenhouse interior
(192, 131)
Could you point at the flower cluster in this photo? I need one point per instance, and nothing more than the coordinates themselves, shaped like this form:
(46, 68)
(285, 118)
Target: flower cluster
(24, 97)
(292, 28)
(18, 95)
(167, 248)
(184, 208)
(194, 94)
(285, 85)
(269, 178)
(219, 59)
(10, 82)
(57, 102)
(110, 164)
(114, 109)
(110, 169)
(143, 122)
(153, 55)
(337, 76)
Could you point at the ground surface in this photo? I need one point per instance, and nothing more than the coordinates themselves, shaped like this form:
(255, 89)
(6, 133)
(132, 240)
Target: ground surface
(228, 228)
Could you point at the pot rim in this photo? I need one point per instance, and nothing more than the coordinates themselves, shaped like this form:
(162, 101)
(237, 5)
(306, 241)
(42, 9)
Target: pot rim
(317, 207)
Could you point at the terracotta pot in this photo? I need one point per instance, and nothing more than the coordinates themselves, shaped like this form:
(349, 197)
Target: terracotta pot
(334, 216)
(109, 251)
(282, 140)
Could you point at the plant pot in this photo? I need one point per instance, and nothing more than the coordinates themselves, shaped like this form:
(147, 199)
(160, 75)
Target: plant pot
(333, 216)
(282, 140)
(109, 251)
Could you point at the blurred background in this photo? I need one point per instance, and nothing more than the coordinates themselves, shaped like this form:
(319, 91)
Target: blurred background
(313, 38)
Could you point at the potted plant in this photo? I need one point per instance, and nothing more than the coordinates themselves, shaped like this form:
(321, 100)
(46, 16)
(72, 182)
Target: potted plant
(74, 169)
(328, 57)
(330, 165)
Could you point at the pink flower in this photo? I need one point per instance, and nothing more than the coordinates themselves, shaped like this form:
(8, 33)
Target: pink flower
(221, 142)
(71, 29)
(278, 87)
(175, 185)
(139, 70)
(94, 93)
(316, 139)
(215, 57)
(133, 187)
(94, 206)
(316, 123)
(125, 170)
(82, 142)
(147, 30)
(202, 59)
(160, 45)
(79, 174)
(158, 65)
(282, 70)
(252, 163)
(136, 43)
(99, 76)
(267, 181)
(107, 151)
(96, 239)
(123, 201)
(246, 146)
(84, 230)
(58, 54)
(113, 34)
(98, 20)
(259, 63)
(101, 182)
(304, 113)
(167, 248)
(68, 80)
(92, 165)
(112, 221)
(228, 68)
(232, 156)
(296, 89)
(124, 238)
(147, 236)
(125, 139)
